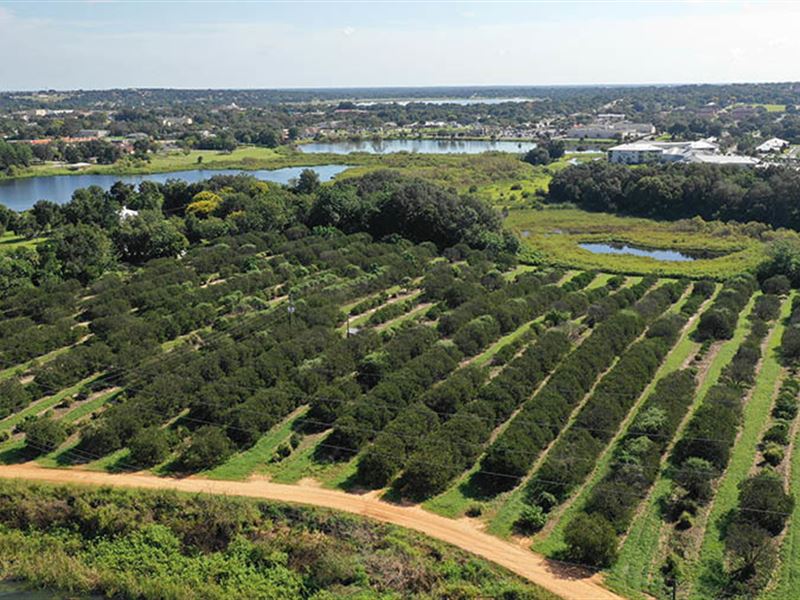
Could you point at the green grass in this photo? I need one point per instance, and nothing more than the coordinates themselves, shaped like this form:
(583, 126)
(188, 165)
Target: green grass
(554, 234)
(502, 523)
(756, 414)
(415, 312)
(302, 463)
(89, 407)
(395, 289)
(170, 345)
(630, 574)
(683, 350)
(43, 404)
(244, 157)
(455, 501)
(111, 462)
(518, 270)
(489, 353)
(242, 465)
(786, 578)
(23, 367)
(534, 182)
(10, 241)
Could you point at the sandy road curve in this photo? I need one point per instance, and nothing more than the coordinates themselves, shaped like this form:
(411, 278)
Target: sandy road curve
(533, 567)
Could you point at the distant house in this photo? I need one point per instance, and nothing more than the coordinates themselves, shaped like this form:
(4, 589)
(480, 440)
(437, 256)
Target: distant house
(723, 159)
(176, 121)
(93, 133)
(601, 130)
(611, 117)
(126, 213)
(772, 145)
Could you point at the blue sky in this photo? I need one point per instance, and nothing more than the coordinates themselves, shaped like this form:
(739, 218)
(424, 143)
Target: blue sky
(100, 44)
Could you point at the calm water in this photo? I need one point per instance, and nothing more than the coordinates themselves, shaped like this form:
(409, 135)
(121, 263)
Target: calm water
(440, 101)
(625, 249)
(21, 194)
(420, 146)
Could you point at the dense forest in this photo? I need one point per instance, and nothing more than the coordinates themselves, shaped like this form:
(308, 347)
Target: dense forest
(770, 196)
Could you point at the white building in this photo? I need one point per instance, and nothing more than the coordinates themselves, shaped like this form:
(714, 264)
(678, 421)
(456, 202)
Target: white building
(604, 130)
(93, 133)
(772, 145)
(702, 151)
(637, 153)
(126, 213)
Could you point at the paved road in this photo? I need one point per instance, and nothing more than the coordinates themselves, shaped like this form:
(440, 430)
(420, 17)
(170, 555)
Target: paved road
(568, 583)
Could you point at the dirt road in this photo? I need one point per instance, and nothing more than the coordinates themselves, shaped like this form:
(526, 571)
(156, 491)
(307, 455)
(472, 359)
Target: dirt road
(560, 580)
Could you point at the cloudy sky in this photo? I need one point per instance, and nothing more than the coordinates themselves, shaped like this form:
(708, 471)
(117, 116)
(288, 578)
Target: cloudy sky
(257, 44)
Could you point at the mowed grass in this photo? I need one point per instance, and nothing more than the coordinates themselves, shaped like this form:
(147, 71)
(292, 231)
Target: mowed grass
(630, 575)
(242, 465)
(756, 414)
(42, 404)
(10, 241)
(302, 463)
(554, 234)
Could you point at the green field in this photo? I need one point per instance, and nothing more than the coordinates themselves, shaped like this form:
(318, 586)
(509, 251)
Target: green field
(10, 241)
(553, 235)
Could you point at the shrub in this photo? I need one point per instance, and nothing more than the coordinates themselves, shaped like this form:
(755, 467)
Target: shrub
(790, 343)
(778, 433)
(531, 520)
(208, 448)
(149, 447)
(763, 502)
(777, 284)
(695, 475)
(44, 435)
(716, 324)
(474, 511)
(773, 454)
(767, 307)
(591, 540)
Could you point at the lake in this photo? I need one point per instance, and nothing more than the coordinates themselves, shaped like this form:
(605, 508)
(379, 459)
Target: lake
(21, 194)
(441, 101)
(665, 255)
(419, 146)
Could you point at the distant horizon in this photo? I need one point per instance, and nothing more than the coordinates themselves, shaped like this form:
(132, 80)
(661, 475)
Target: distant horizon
(399, 87)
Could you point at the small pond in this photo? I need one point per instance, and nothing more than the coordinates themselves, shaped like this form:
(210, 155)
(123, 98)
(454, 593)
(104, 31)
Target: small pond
(22, 194)
(419, 146)
(615, 248)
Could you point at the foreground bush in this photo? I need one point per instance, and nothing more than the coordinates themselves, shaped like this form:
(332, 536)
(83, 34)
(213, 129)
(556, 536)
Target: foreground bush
(155, 545)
